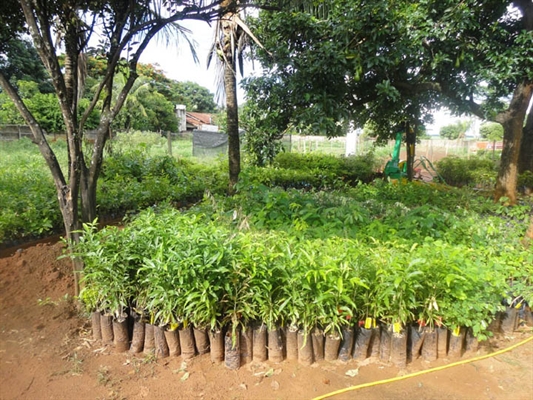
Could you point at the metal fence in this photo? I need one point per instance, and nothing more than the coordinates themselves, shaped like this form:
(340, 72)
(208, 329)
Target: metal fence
(14, 132)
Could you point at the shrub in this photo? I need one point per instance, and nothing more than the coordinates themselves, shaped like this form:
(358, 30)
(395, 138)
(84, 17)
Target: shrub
(134, 180)
(476, 171)
(131, 180)
(28, 204)
(289, 179)
(309, 161)
(350, 169)
(134, 140)
(359, 168)
(313, 171)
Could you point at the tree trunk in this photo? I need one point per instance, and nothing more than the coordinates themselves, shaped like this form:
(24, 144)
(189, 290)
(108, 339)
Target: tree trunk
(71, 221)
(67, 79)
(90, 175)
(88, 197)
(68, 196)
(410, 143)
(512, 121)
(67, 192)
(234, 151)
(525, 157)
(513, 124)
(230, 86)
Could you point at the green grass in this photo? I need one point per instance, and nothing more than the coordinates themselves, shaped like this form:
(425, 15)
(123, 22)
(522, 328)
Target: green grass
(28, 205)
(153, 144)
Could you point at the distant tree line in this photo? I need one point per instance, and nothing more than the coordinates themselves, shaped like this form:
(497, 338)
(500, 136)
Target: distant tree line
(150, 105)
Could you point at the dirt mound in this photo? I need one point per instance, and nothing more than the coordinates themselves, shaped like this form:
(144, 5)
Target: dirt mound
(46, 352)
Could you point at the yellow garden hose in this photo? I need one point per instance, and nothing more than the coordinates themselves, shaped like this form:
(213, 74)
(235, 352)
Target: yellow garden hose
(399, 378)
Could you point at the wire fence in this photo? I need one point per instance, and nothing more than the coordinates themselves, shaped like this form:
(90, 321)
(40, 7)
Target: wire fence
(206, 145)
(433, 149)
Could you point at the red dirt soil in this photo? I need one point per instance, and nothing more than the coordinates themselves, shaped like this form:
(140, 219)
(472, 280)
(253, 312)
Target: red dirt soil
(46, 352)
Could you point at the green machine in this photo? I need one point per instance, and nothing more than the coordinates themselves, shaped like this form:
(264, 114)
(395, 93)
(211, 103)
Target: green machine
(395, 169)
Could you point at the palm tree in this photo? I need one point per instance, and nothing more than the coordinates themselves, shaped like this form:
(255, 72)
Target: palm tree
(228, 46)
(231, 38)
(140, 88)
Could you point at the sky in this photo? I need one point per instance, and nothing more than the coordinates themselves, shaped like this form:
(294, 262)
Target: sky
(443, 117)
(178, 63)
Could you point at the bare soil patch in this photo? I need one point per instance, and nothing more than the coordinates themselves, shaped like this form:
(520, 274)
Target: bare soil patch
(46, 352)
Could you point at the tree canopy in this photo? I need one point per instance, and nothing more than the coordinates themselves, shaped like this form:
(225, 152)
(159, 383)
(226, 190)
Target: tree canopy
(195, 97)
(393, 62)
(21, 62)
(149, 105)
(454, 131)
(491, 131)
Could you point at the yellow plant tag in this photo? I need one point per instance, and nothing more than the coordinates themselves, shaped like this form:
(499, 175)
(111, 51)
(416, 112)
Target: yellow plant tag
(370, 323)
(397, 327)
(518, 306)
(457, 331)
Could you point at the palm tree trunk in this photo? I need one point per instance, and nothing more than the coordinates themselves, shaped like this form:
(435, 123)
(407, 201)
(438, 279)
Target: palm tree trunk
(234, 151)
(230, 86)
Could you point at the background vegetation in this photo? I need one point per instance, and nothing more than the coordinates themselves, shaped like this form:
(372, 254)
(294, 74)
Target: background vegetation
(312, 240)
(150, 105)
(138, 173)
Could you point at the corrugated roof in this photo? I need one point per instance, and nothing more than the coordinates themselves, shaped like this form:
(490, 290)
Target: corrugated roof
(198, 119)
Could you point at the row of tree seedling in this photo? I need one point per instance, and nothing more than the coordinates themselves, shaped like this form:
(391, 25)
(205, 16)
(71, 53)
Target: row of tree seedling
(257, 343)
(175, 271)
